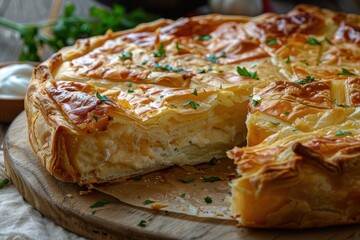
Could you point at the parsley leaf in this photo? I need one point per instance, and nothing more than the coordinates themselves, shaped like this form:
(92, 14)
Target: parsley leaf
(183, 195)
(287, 59)
(130, 90)
(148, 201)
(306, 80)
(342, 105)
(95, 118)
(102, 97)
(275, 123)
(341, 133)
(208, 199)
(223, 54)
(255, 100)
(192, 104)
(271, 41)
(186, 180)
(211, 179)
(213, 161)
(138, 177)
(195, 92)
(3, 183)
(160, 52)
(125, 55)
(142, 223)
(313, 41)
(212, 58)
(245, 73)
(99, 204)
(346, 72)
(203, 37)
(144, 62)
(163, 67)
(286, 113)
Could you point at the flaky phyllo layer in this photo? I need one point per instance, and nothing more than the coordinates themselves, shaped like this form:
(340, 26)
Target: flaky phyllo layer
(185, 91)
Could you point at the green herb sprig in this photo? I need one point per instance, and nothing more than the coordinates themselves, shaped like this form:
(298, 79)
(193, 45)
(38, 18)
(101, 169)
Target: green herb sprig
(69, 27)
(4, 182)
(242, 71)
(99, 204)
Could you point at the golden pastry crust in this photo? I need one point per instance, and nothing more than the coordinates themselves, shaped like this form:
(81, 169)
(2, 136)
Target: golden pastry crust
(170, 92)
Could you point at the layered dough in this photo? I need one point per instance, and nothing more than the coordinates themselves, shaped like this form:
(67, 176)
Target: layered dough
(175, 92)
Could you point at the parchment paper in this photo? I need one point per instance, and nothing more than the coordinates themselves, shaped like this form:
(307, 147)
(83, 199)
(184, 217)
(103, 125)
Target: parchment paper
(180, 189)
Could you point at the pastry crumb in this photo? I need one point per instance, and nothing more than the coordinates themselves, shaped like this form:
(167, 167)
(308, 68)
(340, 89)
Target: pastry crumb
(158, 206)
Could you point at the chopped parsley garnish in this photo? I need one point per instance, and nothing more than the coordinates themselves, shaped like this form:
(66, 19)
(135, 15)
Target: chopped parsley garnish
(95, 118)
(211, 179)
(130, 90)
(306, 80)
(142, 223)
(125, 55)
(256, 101)
(208, 199)
(341, 133)
(102, 97)
(179, 70)
(202, 71)
(220, 86)
(342, 105)
(138, 177)
(287, 59)
(173, 105)
(213, 161)
(212, 58)
(223, 54)
(178, 47)
(313, 41)
(293, 129)
(286, 113)
(271, 41)
(204, 37)
(242, 71)
(186, 180)
(195, 92)
(345, 72)
(160, 52)
(99, 204)
(163, 67)
(148, 201)
(167, 68)
(3, 183)
(183, 195)
(129, 84)
(144, 62)
(275, 123)
(192, 104)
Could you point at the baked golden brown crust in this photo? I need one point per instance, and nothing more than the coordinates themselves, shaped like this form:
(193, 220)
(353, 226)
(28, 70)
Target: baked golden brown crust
(300, 168)
(169, 92)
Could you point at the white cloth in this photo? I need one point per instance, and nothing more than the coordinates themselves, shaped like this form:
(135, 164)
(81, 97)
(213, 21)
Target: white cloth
(19, 220)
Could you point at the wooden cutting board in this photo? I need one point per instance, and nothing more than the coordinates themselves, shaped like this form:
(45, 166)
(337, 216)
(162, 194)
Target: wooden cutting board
(117, 220)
